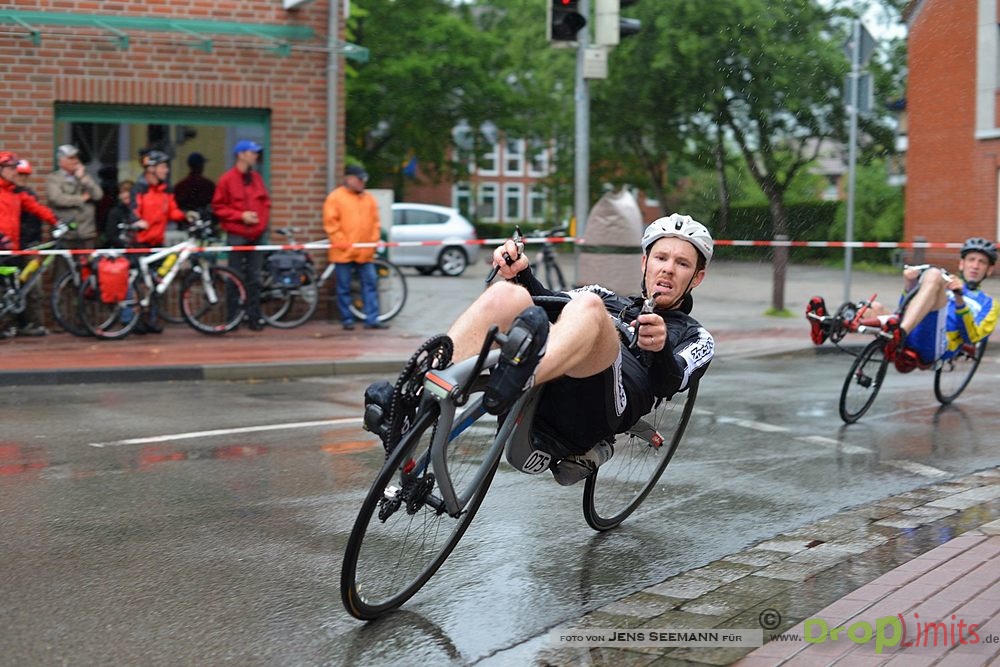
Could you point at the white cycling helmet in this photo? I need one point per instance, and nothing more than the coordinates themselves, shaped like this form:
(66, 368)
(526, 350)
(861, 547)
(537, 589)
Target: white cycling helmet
(683, 227)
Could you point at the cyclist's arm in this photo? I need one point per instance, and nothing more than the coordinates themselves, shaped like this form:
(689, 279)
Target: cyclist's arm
(528, 280)
(674, 368)
(977, 328)
(31, 205)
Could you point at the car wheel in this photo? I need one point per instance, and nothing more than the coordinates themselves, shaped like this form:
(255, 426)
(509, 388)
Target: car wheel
(453, 261)
(425, 270)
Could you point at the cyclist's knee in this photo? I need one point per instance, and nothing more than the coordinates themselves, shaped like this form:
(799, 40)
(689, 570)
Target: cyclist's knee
(586, 305)
(506, 296)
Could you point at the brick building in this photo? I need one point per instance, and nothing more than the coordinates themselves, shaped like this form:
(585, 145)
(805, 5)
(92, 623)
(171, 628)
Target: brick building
(953, 117)
(184, 76)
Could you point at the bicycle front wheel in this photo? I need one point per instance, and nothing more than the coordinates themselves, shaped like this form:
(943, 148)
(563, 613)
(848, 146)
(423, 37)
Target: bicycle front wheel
(288, 306)
(863, 381)
(107, 320)
(213, 299)
(954, 375)
(65, 302)
(391, 292)
(641, 455)
(403, 533)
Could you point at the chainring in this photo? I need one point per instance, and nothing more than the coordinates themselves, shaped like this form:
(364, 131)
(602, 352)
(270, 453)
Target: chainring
(434, 353)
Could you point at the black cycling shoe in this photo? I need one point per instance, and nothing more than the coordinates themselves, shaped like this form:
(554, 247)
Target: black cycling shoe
(378, 403)
(519, 356)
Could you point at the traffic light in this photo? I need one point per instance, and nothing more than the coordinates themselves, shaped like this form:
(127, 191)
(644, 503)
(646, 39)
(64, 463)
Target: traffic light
(610, 26)
(565, 20)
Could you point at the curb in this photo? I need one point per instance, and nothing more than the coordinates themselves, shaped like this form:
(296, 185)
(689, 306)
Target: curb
(822, 561)
(187, 373)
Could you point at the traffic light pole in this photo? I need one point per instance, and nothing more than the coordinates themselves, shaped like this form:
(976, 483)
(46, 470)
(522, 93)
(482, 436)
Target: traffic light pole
(581, 161)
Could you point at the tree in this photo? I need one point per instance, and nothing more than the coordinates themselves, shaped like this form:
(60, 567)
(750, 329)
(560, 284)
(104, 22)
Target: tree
(759, 76)
(430, 69)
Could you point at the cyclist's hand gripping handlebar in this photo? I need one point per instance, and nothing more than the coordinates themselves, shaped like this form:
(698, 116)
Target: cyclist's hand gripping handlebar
(519, 243)
(647, 307)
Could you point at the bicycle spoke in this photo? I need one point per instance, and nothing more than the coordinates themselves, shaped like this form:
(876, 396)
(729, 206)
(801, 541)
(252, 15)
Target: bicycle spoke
(623, 482)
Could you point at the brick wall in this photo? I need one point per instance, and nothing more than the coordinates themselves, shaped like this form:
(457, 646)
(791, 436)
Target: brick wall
(87, 67)
(951, 190)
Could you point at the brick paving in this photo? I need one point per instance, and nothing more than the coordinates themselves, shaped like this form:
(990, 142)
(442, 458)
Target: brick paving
(863, 564)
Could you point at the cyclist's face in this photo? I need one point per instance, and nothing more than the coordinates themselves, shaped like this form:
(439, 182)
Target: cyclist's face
(671, 268)
(975, 267)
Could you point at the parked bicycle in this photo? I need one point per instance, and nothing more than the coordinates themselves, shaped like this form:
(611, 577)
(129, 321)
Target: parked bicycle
(213, 298)
(545, 261)
(868, 371)
(290, 290)
(17, 282)
(436, 477)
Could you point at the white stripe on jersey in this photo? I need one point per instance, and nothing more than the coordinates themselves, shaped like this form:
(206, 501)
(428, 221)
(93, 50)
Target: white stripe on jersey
(696, 355)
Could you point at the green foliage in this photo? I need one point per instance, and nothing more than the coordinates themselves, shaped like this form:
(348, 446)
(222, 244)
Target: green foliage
(807, 221)
(878, 211)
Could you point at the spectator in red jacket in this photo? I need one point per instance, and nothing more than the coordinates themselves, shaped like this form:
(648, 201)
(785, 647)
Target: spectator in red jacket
(243, 207)
(14, 199)
(153, 206)
(153, 200)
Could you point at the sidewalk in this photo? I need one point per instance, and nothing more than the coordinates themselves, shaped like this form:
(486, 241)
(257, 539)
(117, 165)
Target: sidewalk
(927, 557)
(731, 303)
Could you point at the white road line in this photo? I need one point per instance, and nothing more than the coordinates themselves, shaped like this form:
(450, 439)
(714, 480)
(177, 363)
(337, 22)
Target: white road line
(225, 431)
(847, 449)
(748, 423)
(917, 468)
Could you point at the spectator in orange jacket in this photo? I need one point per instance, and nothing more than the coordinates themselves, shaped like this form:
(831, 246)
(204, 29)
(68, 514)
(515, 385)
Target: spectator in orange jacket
(350, 215)
(243, 206)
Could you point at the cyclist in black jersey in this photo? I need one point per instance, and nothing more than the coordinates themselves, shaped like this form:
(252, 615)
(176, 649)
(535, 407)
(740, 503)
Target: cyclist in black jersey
(596, 385)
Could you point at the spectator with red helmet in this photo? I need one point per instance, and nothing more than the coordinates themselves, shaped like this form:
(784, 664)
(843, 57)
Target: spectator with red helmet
(243, 206)
(31, 224)
(73, 194)
(14, 200)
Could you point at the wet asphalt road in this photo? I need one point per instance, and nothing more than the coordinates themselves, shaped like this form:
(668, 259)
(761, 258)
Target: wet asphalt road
(161, 547)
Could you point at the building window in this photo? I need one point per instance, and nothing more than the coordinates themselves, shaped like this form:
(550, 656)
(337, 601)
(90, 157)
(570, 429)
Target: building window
(513, 161)
(488, 163)
(461, 199)
(538, 203)
(486, 209)
(538, 158)
(513, 198)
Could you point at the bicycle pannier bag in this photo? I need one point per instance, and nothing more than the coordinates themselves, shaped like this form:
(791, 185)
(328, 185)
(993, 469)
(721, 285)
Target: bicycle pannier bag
(287, 267)
(112, 276)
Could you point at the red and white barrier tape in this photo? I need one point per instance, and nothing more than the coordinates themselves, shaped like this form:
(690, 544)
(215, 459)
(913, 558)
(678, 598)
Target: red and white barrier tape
(325, 245)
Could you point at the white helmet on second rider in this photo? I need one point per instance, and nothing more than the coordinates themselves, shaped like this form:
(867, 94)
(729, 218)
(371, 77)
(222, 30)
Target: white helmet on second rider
(682, 227)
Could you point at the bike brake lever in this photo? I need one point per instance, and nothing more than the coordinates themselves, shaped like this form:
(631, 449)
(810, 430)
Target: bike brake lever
(647, 307)
(518, 239)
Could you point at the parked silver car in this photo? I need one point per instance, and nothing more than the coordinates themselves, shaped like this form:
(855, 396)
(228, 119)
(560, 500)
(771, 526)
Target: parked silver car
(427, 222)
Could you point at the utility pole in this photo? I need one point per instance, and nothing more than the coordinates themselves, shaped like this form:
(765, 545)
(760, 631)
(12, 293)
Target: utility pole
(581, 149)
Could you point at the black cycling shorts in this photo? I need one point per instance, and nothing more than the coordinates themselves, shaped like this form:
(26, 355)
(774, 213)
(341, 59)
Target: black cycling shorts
(580, 412)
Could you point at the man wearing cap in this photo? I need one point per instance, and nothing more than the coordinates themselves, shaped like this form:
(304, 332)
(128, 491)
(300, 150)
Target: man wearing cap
(194, 192)
(14, 200)
(243, 206)
(350, 215)
(73, 194)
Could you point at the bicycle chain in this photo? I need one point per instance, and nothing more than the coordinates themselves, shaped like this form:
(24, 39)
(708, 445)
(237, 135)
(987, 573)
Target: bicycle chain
(434, 353)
